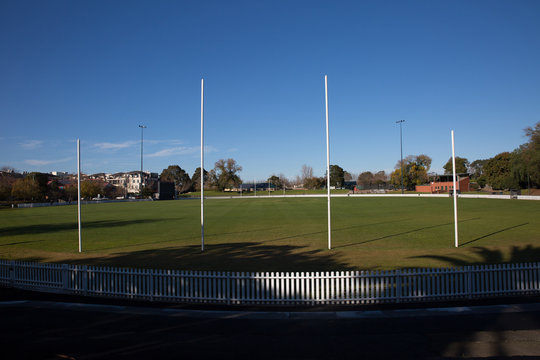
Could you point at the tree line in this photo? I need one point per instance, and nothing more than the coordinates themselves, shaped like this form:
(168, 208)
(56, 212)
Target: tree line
(507, 170)
(223, 176)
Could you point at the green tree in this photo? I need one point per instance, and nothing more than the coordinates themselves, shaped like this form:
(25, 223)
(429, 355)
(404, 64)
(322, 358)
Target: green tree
(337, 176)
(178, 176)
(414, 171)
(40, 180)
(90, 189)
(226, 174)
(476, 168)
(275, 181)
(314, 183)
(424, 161)
(71, 192)
(530, 156)
(462, 165)
(366, 179)
(498, 172)
(5, 189)
(147, 191)
(26, 189)
(196, 180)
(6, 184)
(54, 192)
(111, 191)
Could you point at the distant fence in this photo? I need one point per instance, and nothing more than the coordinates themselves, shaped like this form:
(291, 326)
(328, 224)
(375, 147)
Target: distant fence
(469, 196)
(420, 195)
(85, 202)
(277, 288)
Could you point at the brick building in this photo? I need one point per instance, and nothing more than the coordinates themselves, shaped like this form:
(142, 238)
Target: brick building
(445, 184)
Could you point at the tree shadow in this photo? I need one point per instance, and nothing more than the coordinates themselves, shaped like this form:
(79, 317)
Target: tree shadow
(466, 343)
(403, 233)
(68, 226)
(484, 256)
(240, 256)
(176, 239)
(494, 233)
(333, 230)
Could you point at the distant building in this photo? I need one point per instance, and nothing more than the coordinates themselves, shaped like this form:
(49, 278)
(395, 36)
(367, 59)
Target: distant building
(252, 186)
(350, 185)
(444, 184)
(129, 181)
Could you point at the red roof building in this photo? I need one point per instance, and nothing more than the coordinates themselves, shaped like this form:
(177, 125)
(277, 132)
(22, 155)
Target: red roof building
(445, 184)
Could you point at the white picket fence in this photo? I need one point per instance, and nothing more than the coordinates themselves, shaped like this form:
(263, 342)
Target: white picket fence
(277, 288)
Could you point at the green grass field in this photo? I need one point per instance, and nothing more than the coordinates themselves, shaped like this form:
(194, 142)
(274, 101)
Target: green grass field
(277, 234)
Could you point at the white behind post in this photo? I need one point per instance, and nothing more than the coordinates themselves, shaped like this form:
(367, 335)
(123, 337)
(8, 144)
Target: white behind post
(455, 191)
(327, 161)
(202, 164)
(79, 191)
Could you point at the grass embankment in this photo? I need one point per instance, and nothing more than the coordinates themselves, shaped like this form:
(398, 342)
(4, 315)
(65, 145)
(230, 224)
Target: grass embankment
(277, 234)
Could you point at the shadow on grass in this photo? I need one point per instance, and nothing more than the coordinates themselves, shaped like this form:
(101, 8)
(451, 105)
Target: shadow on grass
(178, 239)
(68, 226)
(404, 233)
(494, 233)
(484, 256)
(244, 256)
(325, 231)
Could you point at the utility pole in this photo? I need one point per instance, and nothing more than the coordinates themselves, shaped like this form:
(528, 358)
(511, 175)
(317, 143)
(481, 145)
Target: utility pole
(141, 183)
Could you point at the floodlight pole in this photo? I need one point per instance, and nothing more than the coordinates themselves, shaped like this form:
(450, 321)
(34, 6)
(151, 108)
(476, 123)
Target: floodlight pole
(79, 191)
(401, 151)
(202, 164)
(327, 161)
(141, 183)
(455, 191)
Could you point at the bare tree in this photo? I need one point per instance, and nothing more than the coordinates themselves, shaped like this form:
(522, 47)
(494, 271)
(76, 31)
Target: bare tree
(381, 178)
(307, 172)
(284, 181)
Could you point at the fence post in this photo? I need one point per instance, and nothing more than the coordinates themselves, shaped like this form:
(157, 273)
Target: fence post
(65, 277)
(469, 281)
(398, 285)
(85, 279)
(151, 283)
(12, 273)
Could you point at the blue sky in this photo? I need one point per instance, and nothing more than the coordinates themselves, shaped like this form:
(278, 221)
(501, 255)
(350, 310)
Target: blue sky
(95, 70)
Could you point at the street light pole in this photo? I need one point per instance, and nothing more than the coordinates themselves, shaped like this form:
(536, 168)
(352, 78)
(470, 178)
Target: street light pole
(141, 183)
(401, 151)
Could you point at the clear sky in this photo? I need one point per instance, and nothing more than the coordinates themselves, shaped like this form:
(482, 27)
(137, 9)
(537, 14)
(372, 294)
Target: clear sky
(95, 70)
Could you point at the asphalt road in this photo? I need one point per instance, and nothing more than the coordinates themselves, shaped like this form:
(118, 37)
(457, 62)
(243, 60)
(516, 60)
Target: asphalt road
(35, 329)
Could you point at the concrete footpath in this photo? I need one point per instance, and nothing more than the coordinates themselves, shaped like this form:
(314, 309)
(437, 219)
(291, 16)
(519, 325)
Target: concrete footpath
(48, 326)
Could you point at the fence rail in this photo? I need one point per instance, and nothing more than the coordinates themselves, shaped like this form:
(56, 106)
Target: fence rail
(277, 288)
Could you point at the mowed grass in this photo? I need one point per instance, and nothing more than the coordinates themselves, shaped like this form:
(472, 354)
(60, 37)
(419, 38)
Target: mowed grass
(277, 234)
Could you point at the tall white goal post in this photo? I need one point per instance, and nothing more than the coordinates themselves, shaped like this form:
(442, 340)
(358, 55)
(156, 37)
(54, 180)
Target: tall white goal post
(328, 161)
(202, 165)
(79, 192)
(456, 242)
